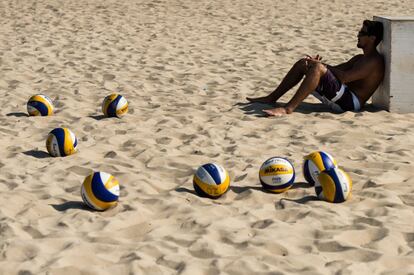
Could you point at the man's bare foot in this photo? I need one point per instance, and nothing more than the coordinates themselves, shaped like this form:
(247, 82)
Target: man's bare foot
(277, 112)
(264, 99)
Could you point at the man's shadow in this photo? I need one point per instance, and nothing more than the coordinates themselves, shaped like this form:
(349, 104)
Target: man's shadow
(256, 108)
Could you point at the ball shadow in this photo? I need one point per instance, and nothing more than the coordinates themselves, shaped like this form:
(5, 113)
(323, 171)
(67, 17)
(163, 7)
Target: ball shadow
(297, 185)
(70, 205)
(303, 200)
(18, 114)
(185, 190)
(98, 117)
(37, 154)
(241, 189)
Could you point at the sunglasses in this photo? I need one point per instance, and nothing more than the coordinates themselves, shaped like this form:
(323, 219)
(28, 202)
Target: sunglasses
(363, 33)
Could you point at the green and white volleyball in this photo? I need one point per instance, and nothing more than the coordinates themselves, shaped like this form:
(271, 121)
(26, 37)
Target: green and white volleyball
(40, 105)
(277, 174)
(61, 142)
(115, 105)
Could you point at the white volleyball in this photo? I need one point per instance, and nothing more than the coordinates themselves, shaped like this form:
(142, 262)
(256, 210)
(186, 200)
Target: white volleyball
(277, 174)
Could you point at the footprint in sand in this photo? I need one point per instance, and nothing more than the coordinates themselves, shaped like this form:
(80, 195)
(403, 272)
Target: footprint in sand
(108, 77)
(88, 128)
(262, 224)
(369, 221)
(110, 154)
(163, 140)
(202, 251)
(33, 232)
(407, 199)
(80, 170)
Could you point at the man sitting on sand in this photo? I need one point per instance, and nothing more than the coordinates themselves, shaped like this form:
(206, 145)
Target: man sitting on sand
(345, 87)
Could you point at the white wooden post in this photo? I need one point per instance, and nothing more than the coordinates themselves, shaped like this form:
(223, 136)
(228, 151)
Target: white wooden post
(396, 93)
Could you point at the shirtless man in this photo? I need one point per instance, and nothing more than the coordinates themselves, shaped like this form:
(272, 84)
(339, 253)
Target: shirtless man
(345, 87)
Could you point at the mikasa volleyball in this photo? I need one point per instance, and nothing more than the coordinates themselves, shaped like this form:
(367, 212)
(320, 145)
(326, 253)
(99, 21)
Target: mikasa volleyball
(114, 105)
(40, 105)
(100, 191)
(277, 175)
(61, 142)
(211, 180)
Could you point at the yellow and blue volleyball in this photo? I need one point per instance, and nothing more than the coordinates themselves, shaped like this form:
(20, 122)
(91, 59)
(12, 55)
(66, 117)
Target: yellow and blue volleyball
(277, 175)
(316, 162)
(114, 105)
(100, 191)
(40, 105)
(336, 185)
(61, 142)
(211, 180)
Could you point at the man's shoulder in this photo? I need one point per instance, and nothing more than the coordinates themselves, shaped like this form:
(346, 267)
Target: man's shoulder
(358, 56)
(374, 60)
(377, 61)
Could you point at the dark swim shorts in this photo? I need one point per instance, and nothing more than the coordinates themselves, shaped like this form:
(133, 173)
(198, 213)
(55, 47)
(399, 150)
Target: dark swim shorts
(332, 92)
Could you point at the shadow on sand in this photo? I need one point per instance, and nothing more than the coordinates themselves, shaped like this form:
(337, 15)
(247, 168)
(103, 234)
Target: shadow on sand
(70, 205)
(18, 114)
(303, 200)
(256, 109)
(37, 154)
(97, 117)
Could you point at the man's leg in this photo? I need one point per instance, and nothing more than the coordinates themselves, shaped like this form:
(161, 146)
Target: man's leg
(292, 78)
(309, 84)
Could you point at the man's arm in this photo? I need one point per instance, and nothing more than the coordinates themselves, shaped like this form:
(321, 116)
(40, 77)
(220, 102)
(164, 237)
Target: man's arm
(349, 64)
(354, 73)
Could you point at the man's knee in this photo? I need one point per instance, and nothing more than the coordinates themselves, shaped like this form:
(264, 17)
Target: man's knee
(317, 68)
(302, 64)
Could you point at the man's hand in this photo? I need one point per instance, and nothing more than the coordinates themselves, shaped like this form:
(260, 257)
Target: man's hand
(316, 58)
(312, 60)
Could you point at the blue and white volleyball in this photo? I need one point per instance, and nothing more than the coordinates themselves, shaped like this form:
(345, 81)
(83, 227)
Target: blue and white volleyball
(114, 105)
(211, 180)
(336, 185)
(316, 162)
(40, 105)
(61, 142)
(277, 175)
(100, 191)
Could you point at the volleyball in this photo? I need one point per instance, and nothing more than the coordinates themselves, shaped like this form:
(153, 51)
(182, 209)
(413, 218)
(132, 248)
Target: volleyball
(40, 105)
(277, 175)
(100, 191)
(211, 180)
(336, 185)
(61, 142)
(316, 162)
(114, 105)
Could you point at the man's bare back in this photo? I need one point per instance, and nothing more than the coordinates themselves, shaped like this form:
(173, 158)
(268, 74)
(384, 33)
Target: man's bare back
(365, 88)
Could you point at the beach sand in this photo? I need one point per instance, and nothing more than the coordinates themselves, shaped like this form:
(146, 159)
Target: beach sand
(186, 67)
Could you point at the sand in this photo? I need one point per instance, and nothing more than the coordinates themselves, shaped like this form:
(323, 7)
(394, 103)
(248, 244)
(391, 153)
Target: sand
(186, 67)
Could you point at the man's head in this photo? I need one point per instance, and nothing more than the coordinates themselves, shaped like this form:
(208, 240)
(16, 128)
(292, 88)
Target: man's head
(371, 32)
